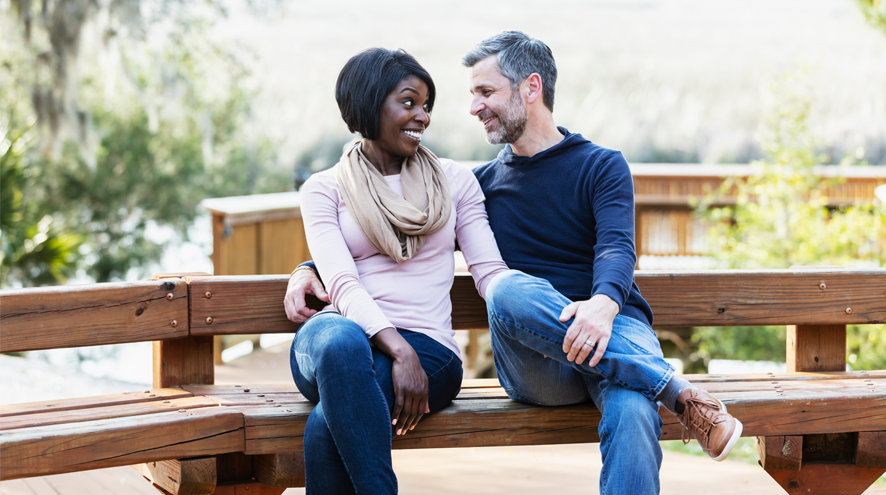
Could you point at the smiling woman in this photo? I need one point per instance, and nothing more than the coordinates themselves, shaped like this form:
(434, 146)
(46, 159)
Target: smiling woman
(382, 226)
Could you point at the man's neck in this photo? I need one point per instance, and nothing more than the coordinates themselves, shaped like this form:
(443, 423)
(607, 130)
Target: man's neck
(538, 138)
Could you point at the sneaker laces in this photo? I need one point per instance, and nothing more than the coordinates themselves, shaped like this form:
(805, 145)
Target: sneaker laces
(705, 409)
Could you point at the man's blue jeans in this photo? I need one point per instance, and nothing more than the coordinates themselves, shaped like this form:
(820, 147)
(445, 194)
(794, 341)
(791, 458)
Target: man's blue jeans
(524, 322)
(348, 434)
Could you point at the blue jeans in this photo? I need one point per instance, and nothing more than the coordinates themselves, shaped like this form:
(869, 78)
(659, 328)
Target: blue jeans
(348, 434)
(524, 323)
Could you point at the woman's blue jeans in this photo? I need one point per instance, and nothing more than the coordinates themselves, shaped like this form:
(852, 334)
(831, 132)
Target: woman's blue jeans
(527, 343)
(348, 434)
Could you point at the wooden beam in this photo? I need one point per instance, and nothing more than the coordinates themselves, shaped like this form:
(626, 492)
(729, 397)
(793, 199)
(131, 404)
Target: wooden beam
(284, 469)
(780, 453)
(816, 348)
(90, 402)
(194, 476)
(871, 451)
(183, 362)
(253, 304)
(66, 448)
(827, 479)
(75, 316)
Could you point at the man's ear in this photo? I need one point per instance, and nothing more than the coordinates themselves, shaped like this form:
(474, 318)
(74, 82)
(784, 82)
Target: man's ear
(532, 88)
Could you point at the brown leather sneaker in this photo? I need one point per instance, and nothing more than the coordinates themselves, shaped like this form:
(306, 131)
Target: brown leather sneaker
(707, 420)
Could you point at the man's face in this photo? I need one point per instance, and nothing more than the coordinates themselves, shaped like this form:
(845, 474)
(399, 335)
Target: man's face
(500, 109)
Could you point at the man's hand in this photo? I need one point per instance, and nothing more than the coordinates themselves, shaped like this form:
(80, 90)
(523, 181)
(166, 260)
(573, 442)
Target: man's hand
(300, 283)
(593, 322)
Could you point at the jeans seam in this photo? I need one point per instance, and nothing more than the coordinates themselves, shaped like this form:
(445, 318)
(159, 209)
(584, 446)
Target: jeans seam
(441, 368)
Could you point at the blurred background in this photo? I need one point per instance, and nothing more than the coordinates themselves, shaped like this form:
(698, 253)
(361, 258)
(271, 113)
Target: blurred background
(756, 131)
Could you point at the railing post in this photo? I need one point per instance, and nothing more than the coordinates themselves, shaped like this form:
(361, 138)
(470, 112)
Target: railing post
(183, 361)
(827, 463)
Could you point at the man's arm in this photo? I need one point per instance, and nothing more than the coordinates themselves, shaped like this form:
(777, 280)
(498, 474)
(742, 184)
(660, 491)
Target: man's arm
(301, 282)
(614, 260)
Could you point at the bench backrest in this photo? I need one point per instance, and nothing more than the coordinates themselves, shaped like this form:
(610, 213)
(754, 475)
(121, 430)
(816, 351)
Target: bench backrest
(184, 305)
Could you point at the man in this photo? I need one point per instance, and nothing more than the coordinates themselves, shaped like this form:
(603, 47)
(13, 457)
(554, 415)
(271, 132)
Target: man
(568, 323)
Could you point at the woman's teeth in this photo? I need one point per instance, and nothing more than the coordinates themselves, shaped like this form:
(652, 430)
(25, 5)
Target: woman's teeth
(413, 134)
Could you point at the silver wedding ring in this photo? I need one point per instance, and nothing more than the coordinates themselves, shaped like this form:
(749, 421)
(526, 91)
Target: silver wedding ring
(590, 343)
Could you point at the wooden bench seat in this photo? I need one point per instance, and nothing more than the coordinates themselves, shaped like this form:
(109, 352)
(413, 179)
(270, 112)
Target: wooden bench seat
(43, 438)
(188, 435)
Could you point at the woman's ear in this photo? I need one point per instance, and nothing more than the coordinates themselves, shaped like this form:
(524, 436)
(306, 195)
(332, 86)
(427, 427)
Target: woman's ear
(533, 88)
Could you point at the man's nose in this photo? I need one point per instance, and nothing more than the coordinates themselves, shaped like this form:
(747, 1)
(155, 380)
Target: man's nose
(476, 106)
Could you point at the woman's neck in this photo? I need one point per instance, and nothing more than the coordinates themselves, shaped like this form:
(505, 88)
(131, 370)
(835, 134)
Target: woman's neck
(385, 162)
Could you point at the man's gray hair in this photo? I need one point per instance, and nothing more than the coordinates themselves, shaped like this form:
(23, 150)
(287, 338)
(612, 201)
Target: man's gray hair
(519, 56)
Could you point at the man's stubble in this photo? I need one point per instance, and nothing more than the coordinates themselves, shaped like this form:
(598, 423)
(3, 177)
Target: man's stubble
(511, 121)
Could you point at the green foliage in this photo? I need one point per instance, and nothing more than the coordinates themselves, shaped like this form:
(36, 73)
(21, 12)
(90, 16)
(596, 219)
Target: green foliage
(163, 127)
(782, 218)
(875, 12)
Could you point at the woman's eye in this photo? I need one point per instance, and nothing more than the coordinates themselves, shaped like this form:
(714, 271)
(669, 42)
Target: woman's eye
(427, 107)
(408, 103)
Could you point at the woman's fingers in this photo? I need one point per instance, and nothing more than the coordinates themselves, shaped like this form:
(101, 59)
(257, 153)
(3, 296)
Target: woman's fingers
(406, 415)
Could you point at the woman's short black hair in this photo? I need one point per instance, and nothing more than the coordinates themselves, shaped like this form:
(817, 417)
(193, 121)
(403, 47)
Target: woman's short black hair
(367, 79)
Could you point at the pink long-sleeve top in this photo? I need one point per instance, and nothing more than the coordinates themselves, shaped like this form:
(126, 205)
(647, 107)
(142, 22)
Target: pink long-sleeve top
(374, 291)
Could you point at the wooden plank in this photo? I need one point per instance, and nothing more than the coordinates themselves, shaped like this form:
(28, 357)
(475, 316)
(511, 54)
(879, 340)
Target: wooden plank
(250, 488)
(871, 450)
(119, 442)
(827, 479)
(816, 348)
(488, 422)
(194, 476)
(240, 305)
(183, 361)
(780, 453)
(74, 316)
(105, 412)
(94, 401)
(765, 297)
(284, 469)
(252, 304)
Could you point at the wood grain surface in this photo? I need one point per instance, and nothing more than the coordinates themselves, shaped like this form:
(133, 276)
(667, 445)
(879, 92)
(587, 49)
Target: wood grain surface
(123, 441)
(74, 316)
(94, 401)
(195, 476)
(253, 304)
(183, 361)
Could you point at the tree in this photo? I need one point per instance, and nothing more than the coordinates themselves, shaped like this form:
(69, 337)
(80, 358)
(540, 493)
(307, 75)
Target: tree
(101, 143)
(781, 218)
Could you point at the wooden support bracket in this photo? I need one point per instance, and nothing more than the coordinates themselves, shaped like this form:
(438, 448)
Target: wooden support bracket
(194, 476)
(780, 453)
(280, 470)
(871, 450)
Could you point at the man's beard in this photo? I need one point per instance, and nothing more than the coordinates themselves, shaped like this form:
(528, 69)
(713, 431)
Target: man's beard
(511, 122)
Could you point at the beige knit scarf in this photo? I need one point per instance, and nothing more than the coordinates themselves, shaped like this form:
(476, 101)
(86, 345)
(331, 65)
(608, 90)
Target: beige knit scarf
(395, 225)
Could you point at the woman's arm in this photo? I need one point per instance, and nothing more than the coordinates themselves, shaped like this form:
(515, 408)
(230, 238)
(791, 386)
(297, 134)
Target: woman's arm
(473, 232)
(409, 378)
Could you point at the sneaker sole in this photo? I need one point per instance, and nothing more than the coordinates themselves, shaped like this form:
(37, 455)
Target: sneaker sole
(736, 434)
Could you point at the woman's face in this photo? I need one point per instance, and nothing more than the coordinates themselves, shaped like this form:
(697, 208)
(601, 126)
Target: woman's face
(404, 117)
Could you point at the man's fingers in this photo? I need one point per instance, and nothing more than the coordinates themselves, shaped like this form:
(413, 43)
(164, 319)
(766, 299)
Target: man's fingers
(584, 351)
(568, 312)
(578, 345)
(598, 354)
(318, 290)
(571, 334)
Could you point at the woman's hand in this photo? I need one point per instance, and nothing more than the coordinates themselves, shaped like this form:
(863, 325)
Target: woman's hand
(409, 379)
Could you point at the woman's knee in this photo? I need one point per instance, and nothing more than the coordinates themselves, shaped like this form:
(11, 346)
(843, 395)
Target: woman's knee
(333, 339)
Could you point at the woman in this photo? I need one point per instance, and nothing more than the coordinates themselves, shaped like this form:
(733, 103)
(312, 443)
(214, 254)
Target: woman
(382, 225)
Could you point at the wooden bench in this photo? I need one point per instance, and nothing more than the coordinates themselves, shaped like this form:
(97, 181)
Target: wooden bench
(819, 427)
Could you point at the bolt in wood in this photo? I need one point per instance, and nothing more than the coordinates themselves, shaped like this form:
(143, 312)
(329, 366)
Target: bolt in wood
(170, 296)
(208, 295)
(209, 320)
(173, 323)
(848, 311)
(822, 285)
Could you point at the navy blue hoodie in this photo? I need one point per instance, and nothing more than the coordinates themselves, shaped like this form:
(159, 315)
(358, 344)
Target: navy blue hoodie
(567, 215)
